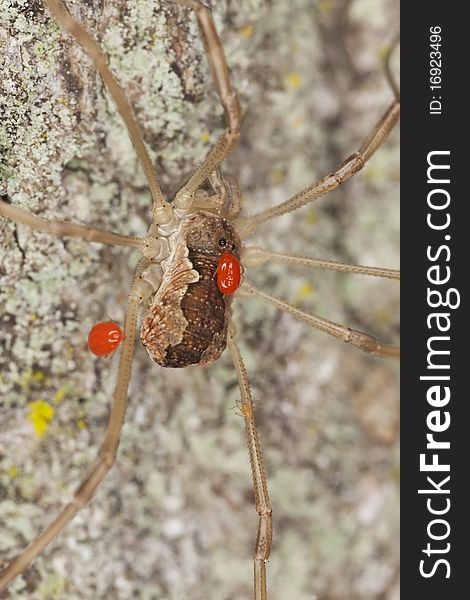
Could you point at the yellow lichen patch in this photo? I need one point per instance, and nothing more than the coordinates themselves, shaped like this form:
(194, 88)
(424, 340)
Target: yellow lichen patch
(313, 431)
(29, 377)
(372, 173)
(247, 31)
(297, 122)
(53, 586)
(13, 472)
(384, 315)
(38, 376)
(293, 80)
(206, 136)
(40, 414)
(59, 396)
(305, 290)
(325, 6)
(276, 175)
(81, 424)
(25, 378)
(383, 51)
(311, 216)
(32, 317)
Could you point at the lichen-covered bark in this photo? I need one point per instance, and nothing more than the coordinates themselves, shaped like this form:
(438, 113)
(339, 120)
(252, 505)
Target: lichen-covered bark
(175, 517)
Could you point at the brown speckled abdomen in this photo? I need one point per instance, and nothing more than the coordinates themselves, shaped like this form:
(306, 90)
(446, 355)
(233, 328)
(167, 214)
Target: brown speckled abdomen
(186, 323)
(204, 307)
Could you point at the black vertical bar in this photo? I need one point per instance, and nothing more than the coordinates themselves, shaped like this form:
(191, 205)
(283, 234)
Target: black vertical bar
(435, 546)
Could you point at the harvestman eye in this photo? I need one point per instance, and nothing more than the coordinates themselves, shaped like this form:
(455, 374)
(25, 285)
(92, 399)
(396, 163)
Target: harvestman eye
(183, 294)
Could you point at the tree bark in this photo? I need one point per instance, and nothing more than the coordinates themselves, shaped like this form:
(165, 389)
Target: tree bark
(176, 518)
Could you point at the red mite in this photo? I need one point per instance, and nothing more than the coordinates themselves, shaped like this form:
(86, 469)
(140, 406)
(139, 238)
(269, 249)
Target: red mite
(228, 273)
(104, 338)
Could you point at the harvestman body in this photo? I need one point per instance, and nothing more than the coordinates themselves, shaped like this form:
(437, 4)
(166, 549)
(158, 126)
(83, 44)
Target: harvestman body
(186, 322)
(187, 317)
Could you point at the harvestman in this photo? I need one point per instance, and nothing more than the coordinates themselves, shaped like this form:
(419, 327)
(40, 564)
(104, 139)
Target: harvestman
(187, 319)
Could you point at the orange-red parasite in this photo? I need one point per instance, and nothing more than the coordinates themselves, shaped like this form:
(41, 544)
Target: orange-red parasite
(229, 273)
(104, 338)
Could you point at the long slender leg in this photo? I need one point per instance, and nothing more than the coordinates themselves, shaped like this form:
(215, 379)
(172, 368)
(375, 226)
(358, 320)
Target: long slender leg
(254, 257)
(62, 228)
(161, 209)
(263, 506)
(329, 182)
(361, 340)
(228, 98)
(107, 452)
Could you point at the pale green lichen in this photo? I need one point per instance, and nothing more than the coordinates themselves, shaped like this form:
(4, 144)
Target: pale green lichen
(175, 517)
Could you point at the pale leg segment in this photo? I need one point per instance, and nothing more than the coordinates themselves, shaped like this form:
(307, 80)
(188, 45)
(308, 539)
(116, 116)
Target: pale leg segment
(329, 182)
(361, 340)
(107, 452)
(63, 228)
(228, 98)
(225, 201)
(262, 503)
(253, 256)
(160, 206)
